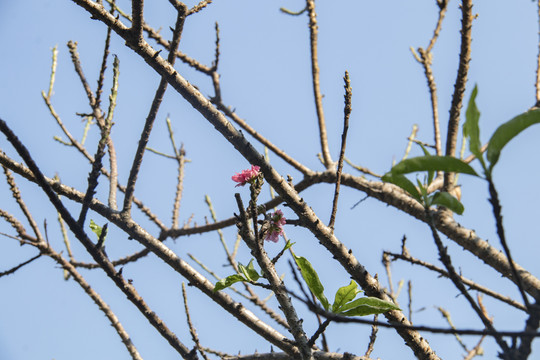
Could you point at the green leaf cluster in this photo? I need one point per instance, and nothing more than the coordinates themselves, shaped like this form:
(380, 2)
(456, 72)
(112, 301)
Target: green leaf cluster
(344, 300)
(246, 273)
(502, 136)
(471, 131)
(429, 164)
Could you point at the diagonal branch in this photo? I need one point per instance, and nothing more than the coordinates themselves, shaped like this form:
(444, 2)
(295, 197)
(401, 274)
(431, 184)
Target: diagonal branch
(158, 98)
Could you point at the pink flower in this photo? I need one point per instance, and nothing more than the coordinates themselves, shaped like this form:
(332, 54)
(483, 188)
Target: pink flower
(246, 176)
(277, 220)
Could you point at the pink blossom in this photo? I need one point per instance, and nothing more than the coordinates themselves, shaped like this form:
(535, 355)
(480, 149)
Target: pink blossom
(277, 220)
(246, 176)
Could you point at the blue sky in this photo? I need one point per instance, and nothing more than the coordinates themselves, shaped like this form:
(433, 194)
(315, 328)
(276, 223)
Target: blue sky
(265, 75)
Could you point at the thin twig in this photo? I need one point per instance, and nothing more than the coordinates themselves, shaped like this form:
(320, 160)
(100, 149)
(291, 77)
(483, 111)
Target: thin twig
(471, 284)
(152, 113)
(94, 173)
(445, 259)
(17, 196)
(496, 205)
(372, 337)
(347, 114)
(201, 5)
(215, 63)
(101, 78)
(113, 179)
(446, 315)
(96, 110)
(425, 59)
(315, 75)
(179, 155)
(53, 71)
(15, 268)
(192, 329)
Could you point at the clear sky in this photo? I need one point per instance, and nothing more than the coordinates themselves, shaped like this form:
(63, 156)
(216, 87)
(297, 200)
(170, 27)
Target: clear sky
(265, 76)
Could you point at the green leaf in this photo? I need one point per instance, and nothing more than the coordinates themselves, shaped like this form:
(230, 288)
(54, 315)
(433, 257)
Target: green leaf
(368, 306)
(312, 280)
(344, 295)
(507, 132)
(228, 281)
(404, 183)
(249, 272)
(471, 130)
(288, 245)
(433, 163)
(96, 229)
(448, 201)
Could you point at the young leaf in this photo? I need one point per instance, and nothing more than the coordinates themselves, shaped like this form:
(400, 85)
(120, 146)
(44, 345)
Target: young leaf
(228, 281)
(403, 183)
(448, 201)
(471, 130)
(312, 280)
(96, 229)
(249, 272)
(288, 245)
(368, 306)
(433, 163)
(344, 295)
(507, 132)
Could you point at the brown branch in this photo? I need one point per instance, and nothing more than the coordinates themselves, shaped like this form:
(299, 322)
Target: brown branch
(497, 213)
(98, 114)
(445, 259)
(192, 329)
(101, 78)
(313, 30)
(459, 86)
(24, 263)
(347, 114)
(158, 98)
(372, 338)
(137, 20)
(17, 196)
(201, 5)
(426, 60)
